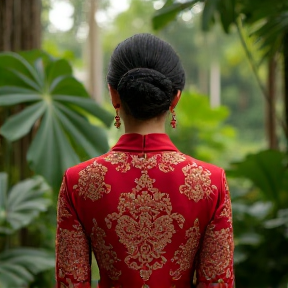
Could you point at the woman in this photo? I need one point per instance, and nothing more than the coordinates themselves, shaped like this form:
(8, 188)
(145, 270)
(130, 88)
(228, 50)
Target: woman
(152, 216)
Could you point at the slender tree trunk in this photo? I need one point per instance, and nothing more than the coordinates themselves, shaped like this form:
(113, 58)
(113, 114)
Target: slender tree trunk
(215, 84)
(94, 61)
(270, 105)
(285, 42)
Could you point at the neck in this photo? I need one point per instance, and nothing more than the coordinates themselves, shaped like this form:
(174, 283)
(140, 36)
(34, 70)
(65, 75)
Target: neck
(155, 125)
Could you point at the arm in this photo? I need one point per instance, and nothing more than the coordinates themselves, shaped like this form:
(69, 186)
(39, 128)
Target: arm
(73, 268)
(215, 265)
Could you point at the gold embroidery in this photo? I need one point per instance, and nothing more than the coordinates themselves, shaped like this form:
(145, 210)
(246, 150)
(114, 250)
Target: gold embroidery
(168, 159)
(184, 256)
(217, 253)
(91, 182)
(62, 206)
(71, 285)
(144, 163)
(105, 254)
(227, 209)
(145, 225)
(120, 159)
(73, 253)
(197, 183)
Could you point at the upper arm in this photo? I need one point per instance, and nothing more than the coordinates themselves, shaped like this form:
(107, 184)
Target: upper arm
(73, 268)
(215, 263)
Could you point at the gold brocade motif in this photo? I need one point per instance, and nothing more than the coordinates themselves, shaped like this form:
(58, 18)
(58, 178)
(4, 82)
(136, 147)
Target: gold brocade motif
(145, 224)
(144, 163)
(165, 161)
(91, 182)
(62, 208)
(227, 209)
(73, 253)
(120, 159)
(169, 159)
(217, 253)
(185, 254)
(71, 285)
(105, 254)
(197, 183)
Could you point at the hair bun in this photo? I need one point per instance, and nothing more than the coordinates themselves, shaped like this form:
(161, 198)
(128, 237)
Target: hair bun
(146, 92)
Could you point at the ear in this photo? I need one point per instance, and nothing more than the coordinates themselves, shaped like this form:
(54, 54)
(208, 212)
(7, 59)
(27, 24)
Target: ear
(115, 98)
(175, 100)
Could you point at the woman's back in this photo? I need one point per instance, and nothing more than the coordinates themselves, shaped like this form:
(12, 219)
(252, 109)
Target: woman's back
(153, 217)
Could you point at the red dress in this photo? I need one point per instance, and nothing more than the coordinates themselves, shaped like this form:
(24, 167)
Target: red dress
(152, 216)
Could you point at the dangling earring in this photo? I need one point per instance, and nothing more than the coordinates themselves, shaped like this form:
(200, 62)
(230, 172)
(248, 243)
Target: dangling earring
(173, 120)
(117, 122)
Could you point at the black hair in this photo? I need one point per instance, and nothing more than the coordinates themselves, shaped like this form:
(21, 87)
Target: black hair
(147, 74)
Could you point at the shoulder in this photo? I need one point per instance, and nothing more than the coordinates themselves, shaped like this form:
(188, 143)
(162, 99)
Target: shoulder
(205, 165)
(73, 172)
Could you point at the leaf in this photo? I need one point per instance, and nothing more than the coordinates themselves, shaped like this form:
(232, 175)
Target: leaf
(44, 157)
(169, 12)
(20, 124)
(23, 202)
(208, 13)
(19, 266)
(40, 83)
(265, 169)
(87, 136)
(87, 105)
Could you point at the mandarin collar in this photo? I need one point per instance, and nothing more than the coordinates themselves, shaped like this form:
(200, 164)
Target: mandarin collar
(133, 142)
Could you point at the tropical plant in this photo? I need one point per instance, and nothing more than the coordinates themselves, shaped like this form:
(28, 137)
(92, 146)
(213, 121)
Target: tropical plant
(18, 208)
(266, 20)
(202, 131)
(55, 108)
(260, 219)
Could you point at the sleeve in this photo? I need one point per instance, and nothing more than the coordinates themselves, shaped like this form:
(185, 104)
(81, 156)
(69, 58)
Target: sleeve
(73, 252)
(215, 263)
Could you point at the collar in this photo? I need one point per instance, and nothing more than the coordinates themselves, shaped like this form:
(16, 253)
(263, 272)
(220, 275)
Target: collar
(133, 142)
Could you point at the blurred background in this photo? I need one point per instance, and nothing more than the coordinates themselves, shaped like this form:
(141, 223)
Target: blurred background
(55, 111)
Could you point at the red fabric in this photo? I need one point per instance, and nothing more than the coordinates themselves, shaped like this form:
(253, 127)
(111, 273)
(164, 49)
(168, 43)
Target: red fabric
(152, 216)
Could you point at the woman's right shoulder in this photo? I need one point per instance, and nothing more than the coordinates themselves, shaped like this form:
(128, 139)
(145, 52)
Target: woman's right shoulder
(86, 165)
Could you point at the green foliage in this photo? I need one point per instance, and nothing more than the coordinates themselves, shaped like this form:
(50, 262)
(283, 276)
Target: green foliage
(260, 219)
(56, 107)
(18, 208)
(268, 171)
(22, 204)
(201, 131)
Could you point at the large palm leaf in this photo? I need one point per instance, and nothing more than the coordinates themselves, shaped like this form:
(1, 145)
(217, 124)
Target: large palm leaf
(56, 108)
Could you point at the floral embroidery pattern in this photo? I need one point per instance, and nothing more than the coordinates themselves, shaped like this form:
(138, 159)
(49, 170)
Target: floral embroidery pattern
(73, 253)
(197, 182)
(105, 254)
(62, 208)
(120, 159)
(227, 209)
(169, 159)
(185, 254)
(217, 253)
(144, 163)
(91, 182)
(145, 225)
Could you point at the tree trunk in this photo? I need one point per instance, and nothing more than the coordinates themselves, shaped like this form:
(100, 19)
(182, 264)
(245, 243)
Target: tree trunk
(285, 54)
(20, 25)
(94, 61)
(270, 105)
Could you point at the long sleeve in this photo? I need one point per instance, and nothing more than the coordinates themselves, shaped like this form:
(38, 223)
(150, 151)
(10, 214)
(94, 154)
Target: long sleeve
(73, 268)
(215, 262)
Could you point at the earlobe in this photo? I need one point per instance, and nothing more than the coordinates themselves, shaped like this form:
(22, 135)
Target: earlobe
(115, 98)
(175, 100)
